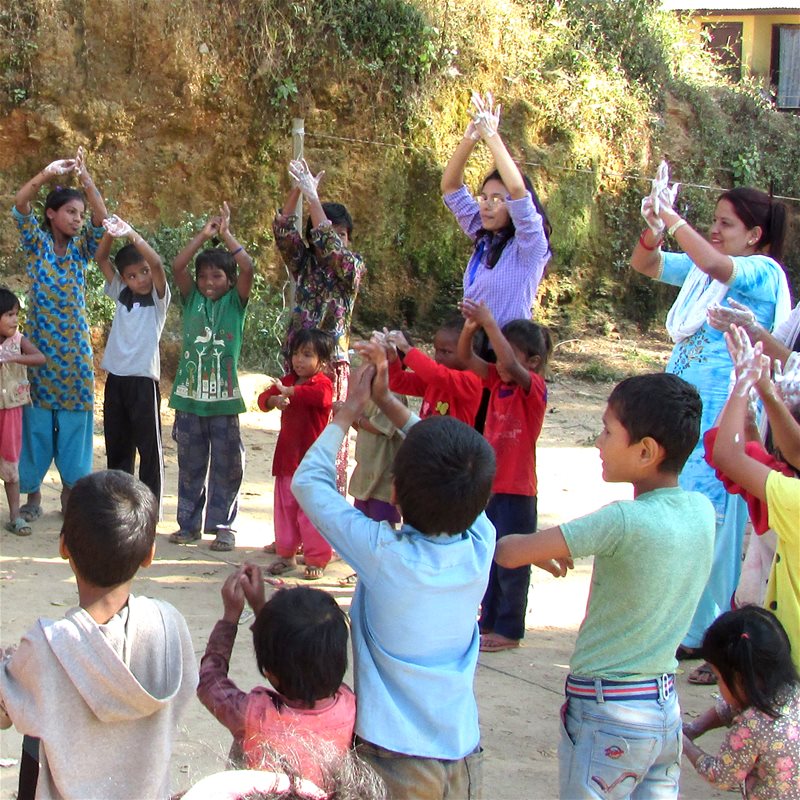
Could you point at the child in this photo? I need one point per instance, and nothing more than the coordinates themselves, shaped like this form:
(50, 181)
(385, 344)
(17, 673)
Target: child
(305, 398)
(206, 395)
(443, 383)
(415, 639)
(103, 688)
(780, 492)
(300, 642)
(58, 425)
(132, 402)
(751, 656)
(652, 556)
(327, 275)
(514, 417)
(16, 353)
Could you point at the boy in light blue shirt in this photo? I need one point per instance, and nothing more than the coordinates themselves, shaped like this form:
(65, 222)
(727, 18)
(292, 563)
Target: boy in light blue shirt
(415, 633)
(621, 732)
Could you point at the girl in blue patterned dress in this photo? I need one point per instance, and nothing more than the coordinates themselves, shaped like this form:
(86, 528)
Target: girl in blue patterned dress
(58, 424)
(738, 261)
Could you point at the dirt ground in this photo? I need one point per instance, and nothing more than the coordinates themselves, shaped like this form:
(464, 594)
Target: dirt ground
(519, 692)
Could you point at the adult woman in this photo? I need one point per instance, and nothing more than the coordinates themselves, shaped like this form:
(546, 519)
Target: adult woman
(738, 261)
(506, 222)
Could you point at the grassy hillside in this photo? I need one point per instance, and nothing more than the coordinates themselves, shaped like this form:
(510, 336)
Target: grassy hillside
(183, 103)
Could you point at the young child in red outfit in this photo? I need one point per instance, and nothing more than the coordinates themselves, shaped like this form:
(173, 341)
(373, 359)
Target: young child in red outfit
(305, 398)
(517, 401)
(446, 387)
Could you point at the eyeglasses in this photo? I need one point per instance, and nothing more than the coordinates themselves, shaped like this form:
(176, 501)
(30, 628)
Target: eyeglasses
(490, 202)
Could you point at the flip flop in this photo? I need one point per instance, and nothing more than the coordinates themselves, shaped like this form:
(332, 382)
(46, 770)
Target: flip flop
(702, 676)
(30, 511)
(280, 566)
(270, 548)
(313, 573)
(350, 580)
(185, 537)
(491, 645)
(19, 526)
(225, 541)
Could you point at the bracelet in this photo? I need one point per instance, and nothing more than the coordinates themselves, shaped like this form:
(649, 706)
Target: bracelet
(676, 225)
(647, 246)
(237, 250)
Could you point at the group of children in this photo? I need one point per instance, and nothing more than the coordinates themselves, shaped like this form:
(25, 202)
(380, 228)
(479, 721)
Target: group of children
(122, 668)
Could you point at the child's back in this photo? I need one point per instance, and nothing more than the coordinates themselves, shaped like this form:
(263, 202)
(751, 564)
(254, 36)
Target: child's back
(103, 688)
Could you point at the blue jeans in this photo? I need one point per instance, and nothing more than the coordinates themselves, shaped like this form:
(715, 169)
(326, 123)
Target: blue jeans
(619, 749)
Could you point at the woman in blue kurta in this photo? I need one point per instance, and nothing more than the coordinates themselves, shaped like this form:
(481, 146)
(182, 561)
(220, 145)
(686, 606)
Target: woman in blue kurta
(738, 262)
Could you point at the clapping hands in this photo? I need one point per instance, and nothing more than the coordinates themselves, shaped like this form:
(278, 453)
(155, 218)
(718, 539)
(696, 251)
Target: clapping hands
(485, 118)
(304, 179)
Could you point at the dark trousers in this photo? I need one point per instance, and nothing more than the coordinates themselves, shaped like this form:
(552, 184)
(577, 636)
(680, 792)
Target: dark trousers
(506, 599)
(131, 424)
(28, 769)
(210, 470)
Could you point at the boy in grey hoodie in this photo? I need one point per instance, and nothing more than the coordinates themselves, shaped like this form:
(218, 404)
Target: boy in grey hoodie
(103, 688)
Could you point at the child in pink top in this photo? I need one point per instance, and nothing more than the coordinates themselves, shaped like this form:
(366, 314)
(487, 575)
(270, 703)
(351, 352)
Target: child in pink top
(300, 642)
(517, 402)
(16, 353)
(305, 397)
(446, 387)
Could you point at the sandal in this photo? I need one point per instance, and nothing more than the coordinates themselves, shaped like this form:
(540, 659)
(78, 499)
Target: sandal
(19, 526)
(225, 541)
(280, 566)
(30, 511)
(684, 653)
(185, 537)
(494, 643)
(703, 675)
(270, 548)
(350, 580)
(313, 573)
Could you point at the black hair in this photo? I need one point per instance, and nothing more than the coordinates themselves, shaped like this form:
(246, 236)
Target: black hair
(443, 475)
(217, 258)
(530, 338)
(337, 214)
(127, 256)
(497, 240)
(109, 526)
(752, 653)
(321, 341)
(300, 639)
(57, 198)
(757, 209)
(8, 300)
(453, 324)
(663, 407)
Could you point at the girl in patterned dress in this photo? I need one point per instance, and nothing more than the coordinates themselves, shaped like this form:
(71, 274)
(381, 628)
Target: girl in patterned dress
(58, 424)
(749, 651)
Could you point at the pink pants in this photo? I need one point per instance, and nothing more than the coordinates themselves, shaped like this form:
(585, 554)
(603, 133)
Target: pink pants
(292, 527)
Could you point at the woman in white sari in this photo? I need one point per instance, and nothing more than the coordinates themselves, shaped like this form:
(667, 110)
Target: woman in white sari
(737, 262)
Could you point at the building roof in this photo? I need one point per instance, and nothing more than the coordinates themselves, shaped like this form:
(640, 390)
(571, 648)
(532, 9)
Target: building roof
(775, 6)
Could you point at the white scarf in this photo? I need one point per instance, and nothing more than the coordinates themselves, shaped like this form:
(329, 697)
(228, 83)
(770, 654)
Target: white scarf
(688, 312)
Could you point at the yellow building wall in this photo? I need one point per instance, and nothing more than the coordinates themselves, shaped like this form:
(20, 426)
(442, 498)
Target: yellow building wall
(756, 37)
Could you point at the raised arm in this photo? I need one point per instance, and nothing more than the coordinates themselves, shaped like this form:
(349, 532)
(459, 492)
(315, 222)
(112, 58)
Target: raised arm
(103, 255)
(244, 283)
(118, 228)
(472, 361)
(546, 549)
(93, 196)
(487, 122)
(375, 353)
(23, 198)
(307, 183)
(180, 266)
(453, 175)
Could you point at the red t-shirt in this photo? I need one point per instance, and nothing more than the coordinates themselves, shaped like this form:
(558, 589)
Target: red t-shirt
(444, 391)
(759, 513)
(513, 424)
(302, 421)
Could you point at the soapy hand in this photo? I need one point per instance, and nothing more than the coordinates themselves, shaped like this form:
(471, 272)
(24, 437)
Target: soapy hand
(485, 118)
(748, 361)
(304, 179)
(650, 217)
(787, 380)
(721, 317)
(62, 166)
(117, 227)
(662, 193)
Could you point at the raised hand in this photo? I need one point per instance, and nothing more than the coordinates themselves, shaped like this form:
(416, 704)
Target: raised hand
(80, 168)
(212, 226)
(477, 313)
(652, 219)
(747, 360)
(397, 340)
(304, 179)
(485, 118)
(359, 389)
(224, 218)
(233, 597)
(252, 582)
(63, 166)
(787, 380)
(117, 227)
(662, 193)
(721, 317)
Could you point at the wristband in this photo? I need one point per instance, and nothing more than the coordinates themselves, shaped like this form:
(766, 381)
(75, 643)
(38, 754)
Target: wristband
(676, 225)
(647, 246)
(237, 251)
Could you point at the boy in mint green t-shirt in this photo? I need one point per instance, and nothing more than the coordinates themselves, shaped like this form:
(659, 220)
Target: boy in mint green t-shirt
(621, 720)
(206, 395)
